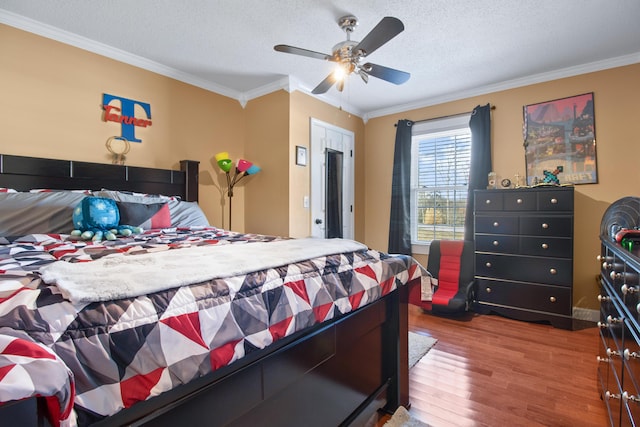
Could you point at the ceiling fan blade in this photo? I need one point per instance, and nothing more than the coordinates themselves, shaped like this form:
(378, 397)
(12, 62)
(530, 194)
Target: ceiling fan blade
(385, 73)
(304, 52)
(324, 85)
(387, 28)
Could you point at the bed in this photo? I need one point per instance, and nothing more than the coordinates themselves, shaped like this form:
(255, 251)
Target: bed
(314, 341)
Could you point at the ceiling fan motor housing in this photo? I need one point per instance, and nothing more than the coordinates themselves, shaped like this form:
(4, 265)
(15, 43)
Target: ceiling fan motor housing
(348, 23)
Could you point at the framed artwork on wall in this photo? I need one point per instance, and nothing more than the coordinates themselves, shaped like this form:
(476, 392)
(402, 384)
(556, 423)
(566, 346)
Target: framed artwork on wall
(560, 141)
(301, 155)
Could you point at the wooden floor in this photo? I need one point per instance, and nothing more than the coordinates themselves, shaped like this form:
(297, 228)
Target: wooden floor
(487, 370)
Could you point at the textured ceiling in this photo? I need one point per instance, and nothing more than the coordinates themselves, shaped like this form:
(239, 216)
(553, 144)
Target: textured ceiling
(452, 48)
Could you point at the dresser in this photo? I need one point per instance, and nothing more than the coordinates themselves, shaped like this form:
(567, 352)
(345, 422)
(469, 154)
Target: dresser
(619, 352)
(524, 253)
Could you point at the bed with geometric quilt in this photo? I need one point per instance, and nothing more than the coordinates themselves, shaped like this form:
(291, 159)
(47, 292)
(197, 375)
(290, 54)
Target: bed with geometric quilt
(189, 324)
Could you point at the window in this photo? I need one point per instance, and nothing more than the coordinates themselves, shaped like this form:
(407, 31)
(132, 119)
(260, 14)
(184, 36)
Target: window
(441, 157)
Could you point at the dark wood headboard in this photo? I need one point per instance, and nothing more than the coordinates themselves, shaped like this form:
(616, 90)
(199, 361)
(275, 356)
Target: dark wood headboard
(25, 173)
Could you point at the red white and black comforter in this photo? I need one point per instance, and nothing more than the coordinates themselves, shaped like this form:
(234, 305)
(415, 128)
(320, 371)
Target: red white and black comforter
(101, 357)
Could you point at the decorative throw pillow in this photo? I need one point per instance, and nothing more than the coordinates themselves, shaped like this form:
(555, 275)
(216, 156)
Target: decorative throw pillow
(145, 215)
(96, 213)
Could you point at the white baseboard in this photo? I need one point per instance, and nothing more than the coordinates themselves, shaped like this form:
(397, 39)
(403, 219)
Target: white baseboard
(586, 314)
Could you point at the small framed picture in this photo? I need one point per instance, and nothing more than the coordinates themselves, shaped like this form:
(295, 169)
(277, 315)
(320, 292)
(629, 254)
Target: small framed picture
(301, 155)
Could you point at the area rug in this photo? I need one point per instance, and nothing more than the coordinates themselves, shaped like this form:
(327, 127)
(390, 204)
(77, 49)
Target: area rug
(402, 418)
(419, 345)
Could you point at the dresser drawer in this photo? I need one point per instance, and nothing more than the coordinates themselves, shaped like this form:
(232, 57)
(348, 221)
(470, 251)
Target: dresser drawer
(611, 317)
(557, 226)
(488, 201)
(553, 271)
(555, 201)
(550, 299)
(546, 246)
(496, 224)
(631, 363)
(520, 201)
(496, 243)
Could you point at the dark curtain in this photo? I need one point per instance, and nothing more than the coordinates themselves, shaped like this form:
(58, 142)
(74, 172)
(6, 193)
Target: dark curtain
(400, 222)
(480, 125)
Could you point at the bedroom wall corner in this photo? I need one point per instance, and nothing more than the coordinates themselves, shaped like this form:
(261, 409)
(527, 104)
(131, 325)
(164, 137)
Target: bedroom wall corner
(304, 107)
(267, 144)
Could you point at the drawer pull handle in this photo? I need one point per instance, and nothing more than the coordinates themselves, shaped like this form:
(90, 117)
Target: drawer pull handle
(612, 352)
(519, 201)
(626, 397)
(495, 224)
(603, 298)
(602, 258)
(611, 320)
(629, 397)
(610, 395)
(602, 359)
(628, 289)
(545, 225)
(629, 354)
(496, 243)
(545, 246)
(554, 201)
(553, 271)
(488, 265)
(488, 290)
(552, 299)
(488, 201)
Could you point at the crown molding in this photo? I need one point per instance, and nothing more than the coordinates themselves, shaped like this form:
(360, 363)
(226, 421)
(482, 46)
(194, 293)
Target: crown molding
(290, 84)
(102, 49)
(620, 61)
(287, 83)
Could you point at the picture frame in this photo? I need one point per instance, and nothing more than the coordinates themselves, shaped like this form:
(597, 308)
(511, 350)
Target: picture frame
(560, 141)
(301, 155)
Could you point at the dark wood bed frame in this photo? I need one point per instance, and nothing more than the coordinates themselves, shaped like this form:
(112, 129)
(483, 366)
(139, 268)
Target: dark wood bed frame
(340, 372)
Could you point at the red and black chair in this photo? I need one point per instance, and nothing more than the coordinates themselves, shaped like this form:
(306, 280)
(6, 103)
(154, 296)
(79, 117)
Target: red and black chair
(451, 265)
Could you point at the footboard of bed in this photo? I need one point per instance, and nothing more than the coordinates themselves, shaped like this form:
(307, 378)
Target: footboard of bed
(341, 373)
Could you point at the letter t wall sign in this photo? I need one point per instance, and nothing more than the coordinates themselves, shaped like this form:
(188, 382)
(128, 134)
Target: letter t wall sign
(125, 115)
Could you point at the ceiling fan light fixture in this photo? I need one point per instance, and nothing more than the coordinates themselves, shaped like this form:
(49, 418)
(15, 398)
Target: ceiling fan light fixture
(348, 54)
(341, 72)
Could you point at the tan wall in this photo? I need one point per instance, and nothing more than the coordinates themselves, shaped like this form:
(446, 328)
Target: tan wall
(616, 92)
(303, 109)
(51, 107)
(267, 201)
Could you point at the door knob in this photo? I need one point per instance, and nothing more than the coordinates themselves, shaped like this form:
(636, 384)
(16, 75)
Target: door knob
(318, 221)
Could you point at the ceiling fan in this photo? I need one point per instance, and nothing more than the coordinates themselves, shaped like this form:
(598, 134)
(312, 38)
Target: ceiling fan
(348, 54)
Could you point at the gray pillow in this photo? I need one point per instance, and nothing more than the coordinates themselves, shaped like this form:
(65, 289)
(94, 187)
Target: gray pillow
(183, 214)
(37, 213)
(186, 214)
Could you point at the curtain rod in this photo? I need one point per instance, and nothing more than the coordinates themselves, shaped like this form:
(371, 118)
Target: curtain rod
(493, 107)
